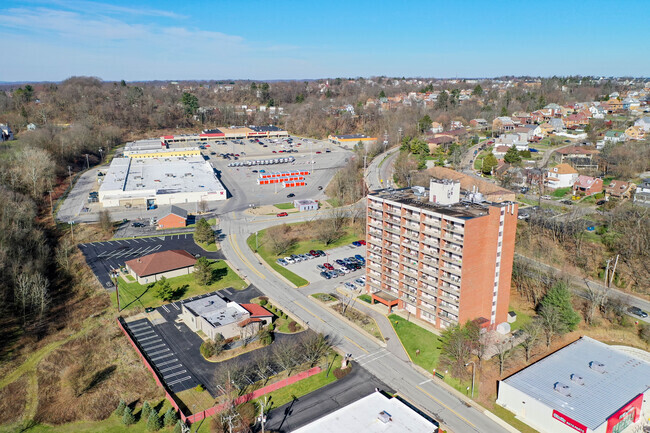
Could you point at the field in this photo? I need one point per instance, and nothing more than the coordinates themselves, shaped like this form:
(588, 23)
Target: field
(135, 295)
(414, 338)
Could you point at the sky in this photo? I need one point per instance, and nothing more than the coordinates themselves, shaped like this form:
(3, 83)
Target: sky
(51, 40)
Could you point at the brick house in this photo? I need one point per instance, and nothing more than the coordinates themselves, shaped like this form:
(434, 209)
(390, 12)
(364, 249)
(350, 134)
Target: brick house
(620, 189)
(502, 124)
(587, 185)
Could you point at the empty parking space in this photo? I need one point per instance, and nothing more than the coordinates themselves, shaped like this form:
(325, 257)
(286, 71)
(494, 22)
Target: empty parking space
(102, 257)
(308, 269)
(161, 356)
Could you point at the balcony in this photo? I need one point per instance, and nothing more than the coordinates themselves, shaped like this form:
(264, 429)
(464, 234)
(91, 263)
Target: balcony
(411, 216)
(410, 272)
(375, 223)
(450, 279)
(453, 238)
(456, 228)
(452, 247)
(427, 307)
(451, 269)
(375, 214)
(392, 246)
(430, 259)
(375, 205)
(393, 211)
(430, 241)
(448, 258)
(432, 222)
(392, 229)
(450, 299)
(391, 265)
(412, 256)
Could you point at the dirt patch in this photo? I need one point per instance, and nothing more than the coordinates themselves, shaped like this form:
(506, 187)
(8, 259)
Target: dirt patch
(13, 399)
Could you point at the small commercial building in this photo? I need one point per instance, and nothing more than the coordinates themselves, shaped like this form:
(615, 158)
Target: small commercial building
(587, 386)
(172, 217)
(305, 205)
(351, 139)
(375, 413)
(213, 315)
(150, 268)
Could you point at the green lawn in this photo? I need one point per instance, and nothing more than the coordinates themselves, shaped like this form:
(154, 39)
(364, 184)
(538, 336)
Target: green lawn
(522, 319)
(413, 338)
(305, 386)
(334, 202)
(134, 295)
(323, 297)
(212, 247)
(211, 221)
(561, 192)
(365, 298)
(284, 206)
(509, 417)
(269, 258)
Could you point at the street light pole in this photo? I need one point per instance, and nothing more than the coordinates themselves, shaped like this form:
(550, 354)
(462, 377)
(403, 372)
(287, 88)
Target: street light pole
(473, 371)
(71, 229)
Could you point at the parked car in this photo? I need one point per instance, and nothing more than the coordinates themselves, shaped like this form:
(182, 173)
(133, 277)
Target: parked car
(601, 202)
(360, 258)
(637, 312)
(320, 252)
(325, 275)
(339, 262)
(282, 214)
(356, 244)
(137, 225)
(291, 195)
(360, 281)
(320, 188)
(321, 268)
(281, 262)
(328, 266)
(362, 242)
(546, 197)
(289, 260)
(314, 253)
(350, 286)
(343, 269)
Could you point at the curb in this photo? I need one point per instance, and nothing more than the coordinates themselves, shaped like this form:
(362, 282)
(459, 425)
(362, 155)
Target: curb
(276, 273)
(499, 421)
(236, 271)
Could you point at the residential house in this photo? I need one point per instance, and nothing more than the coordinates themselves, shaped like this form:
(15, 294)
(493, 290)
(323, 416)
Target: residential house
(575, 121)
(631, 104)
(561, 176)
(520, 141)
(500, 151)
(435, 142)
(456, 124)
(614, 105)
(6, 133)
(168, 264)
(436, 127)
(614, 136)
(578, 156)
(31, 127)
(597, 112)
(529, 132)
(587, 185)
(620, 189)
(546, 128)
(642, 194)
(522, 118)
(480, 124)
(644, 123)
(502, 124)
(557, 124)
(635, 133)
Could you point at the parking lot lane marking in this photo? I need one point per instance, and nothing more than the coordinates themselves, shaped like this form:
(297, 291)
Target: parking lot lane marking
(159, 352)
(233, 241)
(174, 367)
(355, 343)
(139, 326)
(166, 362)
(139, 335)
(148, 338)
(174, 374)
(445, 406)
(165, 308)
(176, 306)
(307, 310)
(179, 380)
(154, 347)
(161, 357)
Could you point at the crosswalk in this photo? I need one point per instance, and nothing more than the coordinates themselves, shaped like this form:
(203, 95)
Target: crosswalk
(371, 357)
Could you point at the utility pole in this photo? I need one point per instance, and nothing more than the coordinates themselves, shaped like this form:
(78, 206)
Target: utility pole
(473, 371)
(117, 288)
(256, 247)
(611, 277)
(51, 205)
(70, 175)
(71, 229)
(87, 163)
(262, 417)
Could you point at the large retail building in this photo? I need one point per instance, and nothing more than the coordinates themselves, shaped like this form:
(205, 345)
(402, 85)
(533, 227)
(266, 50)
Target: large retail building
(442, 258)
(586, 387)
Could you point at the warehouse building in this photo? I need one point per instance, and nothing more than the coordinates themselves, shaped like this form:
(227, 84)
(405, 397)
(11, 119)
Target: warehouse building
(152, 182)
(587, 386)
(168, 264)
(227, 133)
(375, 413)
(351, 139)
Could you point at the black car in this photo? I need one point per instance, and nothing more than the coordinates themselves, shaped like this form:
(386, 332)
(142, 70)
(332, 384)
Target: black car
(637, 312)
(320, 188)
(325, 275)
(601, 202)
(291, 195)
(321, 253)
(137, 225)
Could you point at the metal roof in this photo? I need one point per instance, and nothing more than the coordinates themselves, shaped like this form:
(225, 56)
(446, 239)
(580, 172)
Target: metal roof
(601, 395)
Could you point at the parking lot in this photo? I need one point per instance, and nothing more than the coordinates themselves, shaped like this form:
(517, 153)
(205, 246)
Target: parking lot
(102, 257)
(308, 268)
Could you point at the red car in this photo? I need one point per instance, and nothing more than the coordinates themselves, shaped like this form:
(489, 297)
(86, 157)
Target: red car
(275, 151)
(362, 242)
(328, 266)
(318, 151)
(282, 214)
(207, 145)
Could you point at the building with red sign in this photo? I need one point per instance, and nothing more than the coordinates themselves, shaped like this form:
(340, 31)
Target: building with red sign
(586, 387)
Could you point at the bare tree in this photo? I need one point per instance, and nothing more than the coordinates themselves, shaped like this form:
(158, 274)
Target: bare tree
(531, 334)
(596, 299)
(280, 238)
(551, 322)
(314, 347)
(286, 356)
(504, 350)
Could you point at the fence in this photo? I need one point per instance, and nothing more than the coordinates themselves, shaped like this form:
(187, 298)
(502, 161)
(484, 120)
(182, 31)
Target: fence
(192, 418)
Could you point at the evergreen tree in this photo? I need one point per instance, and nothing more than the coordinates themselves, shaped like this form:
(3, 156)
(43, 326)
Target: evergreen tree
(120, 408)
(178, 428)
(425, 123)
(171, 418)
(559, 298)
(128, 418)
(190, 103)
(512, 155)
(202, 271)
(203, 233)
(382, 94)
(489, 163)
(164, 290)
(478, 90)
(154, 423)
(146, 410)
(504, 111)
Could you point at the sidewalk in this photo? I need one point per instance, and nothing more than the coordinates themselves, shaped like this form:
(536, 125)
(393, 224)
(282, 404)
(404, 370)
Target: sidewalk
(392, 341)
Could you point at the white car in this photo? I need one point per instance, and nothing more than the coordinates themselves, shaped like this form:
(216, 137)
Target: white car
(289, 260)
(344, 270)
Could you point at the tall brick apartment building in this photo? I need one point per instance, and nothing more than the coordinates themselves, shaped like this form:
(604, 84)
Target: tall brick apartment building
(443, 259)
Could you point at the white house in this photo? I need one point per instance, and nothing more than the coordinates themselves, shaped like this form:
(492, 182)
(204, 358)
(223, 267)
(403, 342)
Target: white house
(561, 176)
(6, 133)
(644, 123)
(597, 112)
(520, 141)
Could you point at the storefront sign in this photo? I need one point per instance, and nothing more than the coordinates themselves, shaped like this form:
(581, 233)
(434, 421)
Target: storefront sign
(570, 422)
(626, 415)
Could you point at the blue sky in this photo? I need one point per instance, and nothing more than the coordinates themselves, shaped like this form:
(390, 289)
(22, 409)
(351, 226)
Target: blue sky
(260, 39)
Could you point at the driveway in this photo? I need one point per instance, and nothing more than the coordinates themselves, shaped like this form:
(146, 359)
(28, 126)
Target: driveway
(102, 257)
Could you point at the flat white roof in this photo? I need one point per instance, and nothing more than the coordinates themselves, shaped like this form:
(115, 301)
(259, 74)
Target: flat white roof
(169, 175)
(363, 416)
(216, 311)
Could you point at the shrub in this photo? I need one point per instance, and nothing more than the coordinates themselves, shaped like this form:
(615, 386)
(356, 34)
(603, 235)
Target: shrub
(265, 336)
(154, 423)
(178, 428)
(264, 301)
(128, 418)
(120, 408)
(171, 417)
(644, 333)
(271, 327)
(293, 326)
(340, 373)
(199, 388)
(146, 410)
(207, 349)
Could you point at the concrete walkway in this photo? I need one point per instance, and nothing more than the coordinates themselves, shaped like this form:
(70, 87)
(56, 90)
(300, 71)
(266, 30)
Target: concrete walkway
(392, 341)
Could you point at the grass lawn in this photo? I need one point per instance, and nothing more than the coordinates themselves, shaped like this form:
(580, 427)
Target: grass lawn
(334, 202)
(134, 295)
(522, 319)
(561, 192)
(269, 258)
(305, 386)
(365, 298)
(323, 297)
(509, 417)
(211, 221)
(413, 338)
(211, 247)
(284, 206)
